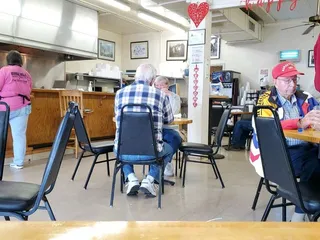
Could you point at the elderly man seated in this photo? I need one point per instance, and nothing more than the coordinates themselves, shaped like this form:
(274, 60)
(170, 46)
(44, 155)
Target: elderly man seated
(170, 133)
(141, 92)
(295, 110)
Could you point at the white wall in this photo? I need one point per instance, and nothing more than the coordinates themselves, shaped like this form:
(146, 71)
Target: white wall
(248, 58)
(86, 65)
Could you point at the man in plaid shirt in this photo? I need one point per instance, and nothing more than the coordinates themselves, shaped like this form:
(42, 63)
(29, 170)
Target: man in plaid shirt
(141, 92)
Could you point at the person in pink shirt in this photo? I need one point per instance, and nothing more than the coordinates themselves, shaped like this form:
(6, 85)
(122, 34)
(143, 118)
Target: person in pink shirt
(15, 90)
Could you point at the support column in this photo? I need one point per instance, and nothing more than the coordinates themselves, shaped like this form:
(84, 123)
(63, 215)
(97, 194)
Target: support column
(199, 81)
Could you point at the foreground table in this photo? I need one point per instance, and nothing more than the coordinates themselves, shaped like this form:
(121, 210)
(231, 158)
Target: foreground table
(308, 135)
(158, 230)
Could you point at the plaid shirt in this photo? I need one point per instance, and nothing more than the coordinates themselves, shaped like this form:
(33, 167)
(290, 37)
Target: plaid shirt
(291, 111)
(140, 92)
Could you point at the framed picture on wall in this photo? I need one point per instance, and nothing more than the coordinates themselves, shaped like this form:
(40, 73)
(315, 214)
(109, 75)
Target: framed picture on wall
(106, 50)
(311, 58)
(215, 47)
(177, 50)
(139, 50)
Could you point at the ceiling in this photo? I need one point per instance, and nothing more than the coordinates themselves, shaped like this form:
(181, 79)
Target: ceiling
(128, 23)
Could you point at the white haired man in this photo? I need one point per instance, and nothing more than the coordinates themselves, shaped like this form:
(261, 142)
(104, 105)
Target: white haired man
(170, 132)
(141, 92)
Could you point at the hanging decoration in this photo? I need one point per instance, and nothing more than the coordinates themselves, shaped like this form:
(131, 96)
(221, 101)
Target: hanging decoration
(195, 86)
(249, 4)
(197, 12)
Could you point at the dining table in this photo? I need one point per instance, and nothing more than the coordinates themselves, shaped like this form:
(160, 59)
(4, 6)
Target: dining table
(116, 230)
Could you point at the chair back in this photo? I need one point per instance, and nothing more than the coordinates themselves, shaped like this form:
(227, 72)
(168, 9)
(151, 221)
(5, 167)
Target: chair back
(220, 129)
(215, 116)
(136, 131)
(66, 96)
(56, 155)
(4, 123)
(275, 158)
(80, 129)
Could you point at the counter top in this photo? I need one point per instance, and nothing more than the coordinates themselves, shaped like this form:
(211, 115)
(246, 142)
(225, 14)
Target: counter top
(84, 92)
(159, 230)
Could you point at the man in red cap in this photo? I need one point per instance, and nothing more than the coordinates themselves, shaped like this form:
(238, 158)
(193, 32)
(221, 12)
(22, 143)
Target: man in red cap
(295, 110)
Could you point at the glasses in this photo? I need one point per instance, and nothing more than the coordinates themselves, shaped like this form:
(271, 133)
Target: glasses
(289, 80)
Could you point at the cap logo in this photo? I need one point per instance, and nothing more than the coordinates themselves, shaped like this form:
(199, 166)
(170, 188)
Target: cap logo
(288, 65)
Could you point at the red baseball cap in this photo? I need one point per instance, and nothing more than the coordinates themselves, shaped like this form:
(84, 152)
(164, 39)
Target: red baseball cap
(285, 69)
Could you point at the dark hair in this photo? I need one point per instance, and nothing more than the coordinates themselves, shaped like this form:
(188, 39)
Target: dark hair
(14, 58)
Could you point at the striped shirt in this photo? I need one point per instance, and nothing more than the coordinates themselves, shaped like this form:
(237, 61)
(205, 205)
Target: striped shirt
(140, 92)
(291, 111)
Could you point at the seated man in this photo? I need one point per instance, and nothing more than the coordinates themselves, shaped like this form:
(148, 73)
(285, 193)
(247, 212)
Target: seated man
(241, 132)
(295, 111)
(170, 132)
(141, 92)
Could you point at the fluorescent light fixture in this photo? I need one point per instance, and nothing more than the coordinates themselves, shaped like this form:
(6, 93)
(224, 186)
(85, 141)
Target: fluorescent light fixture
(165, 13)
(116, 4)
(160, 22)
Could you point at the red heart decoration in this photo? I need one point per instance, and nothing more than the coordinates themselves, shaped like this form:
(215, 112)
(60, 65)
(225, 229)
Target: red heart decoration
(195, 87)
(195, 93)
(195, 81)
(195, 99)
(195, 104)
(198, 12)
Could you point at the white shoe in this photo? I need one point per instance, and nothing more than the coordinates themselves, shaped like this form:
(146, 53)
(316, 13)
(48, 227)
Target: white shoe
(168, 171)
(133, 187)
(148, 188)
(13, 165)
(298, 217)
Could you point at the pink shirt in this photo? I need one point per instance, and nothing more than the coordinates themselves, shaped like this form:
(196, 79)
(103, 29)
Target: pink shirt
(15, 80)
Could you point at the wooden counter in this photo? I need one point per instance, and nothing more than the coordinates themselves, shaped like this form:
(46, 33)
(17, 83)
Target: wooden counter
(45, 117)
(159, 230)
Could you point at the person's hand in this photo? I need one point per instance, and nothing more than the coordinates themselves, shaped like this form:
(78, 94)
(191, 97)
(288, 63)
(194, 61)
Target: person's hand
(166, 91)
(311, 118)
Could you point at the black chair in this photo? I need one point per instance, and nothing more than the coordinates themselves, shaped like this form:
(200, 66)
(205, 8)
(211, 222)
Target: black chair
(95, 148)
(203, 150)
(215, 116)
(4, 123)
(136, 137)
(19, 199)
(278, 168)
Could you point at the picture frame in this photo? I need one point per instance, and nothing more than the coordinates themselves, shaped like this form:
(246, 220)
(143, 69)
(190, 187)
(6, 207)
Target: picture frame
(197, 37)
(215, 47)
(311, 58)
(177, 50)
(106, 50)
(139, 50)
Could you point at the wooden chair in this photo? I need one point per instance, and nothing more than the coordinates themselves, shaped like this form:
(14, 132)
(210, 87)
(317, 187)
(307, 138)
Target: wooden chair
(65, 96)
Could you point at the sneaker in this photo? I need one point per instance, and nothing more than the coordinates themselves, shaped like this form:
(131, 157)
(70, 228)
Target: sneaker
(168, 171)
(233, 148)
(133, 187)
(148, 188)
(13, 165)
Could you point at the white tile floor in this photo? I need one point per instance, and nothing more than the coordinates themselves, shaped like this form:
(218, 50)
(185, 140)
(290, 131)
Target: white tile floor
(202, 199)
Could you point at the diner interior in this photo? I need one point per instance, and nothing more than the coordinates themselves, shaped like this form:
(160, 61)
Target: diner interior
(86, 50)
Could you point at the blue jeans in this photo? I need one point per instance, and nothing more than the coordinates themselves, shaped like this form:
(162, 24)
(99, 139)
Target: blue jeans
(305, 162)
(18, 122)
(166, 155)
(172, 137)
(241, 132)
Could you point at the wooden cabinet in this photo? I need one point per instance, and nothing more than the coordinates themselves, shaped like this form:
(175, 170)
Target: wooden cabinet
(45, 117)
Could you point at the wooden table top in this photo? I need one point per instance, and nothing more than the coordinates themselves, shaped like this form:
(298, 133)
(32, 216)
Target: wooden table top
(308, 135)
(218, 97)
(159, 230)
(176, 121)
(241, 113)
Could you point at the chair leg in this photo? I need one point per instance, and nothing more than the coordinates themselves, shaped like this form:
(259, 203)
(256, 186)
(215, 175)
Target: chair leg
(49, 209)
(315, 217)
(179, 159)
(114, 182)
(182, 162)
(90, 172)
(267, 211)
(122, 180)
(186, 158)
(284, 210)
(214, 170)
(76, 147)
(256, 197)
(162, 177)
(7, 218)
(176, 169)
(160, 186)
(108, 166)
(213, 162)
(77, 166)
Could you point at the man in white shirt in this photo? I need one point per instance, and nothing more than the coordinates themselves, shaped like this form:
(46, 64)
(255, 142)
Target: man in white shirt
(170, 133)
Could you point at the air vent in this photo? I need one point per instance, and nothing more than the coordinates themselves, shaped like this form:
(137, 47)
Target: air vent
(252, 26)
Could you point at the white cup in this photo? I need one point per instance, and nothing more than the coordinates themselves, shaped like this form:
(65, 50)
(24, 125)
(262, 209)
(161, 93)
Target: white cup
(250, 108)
